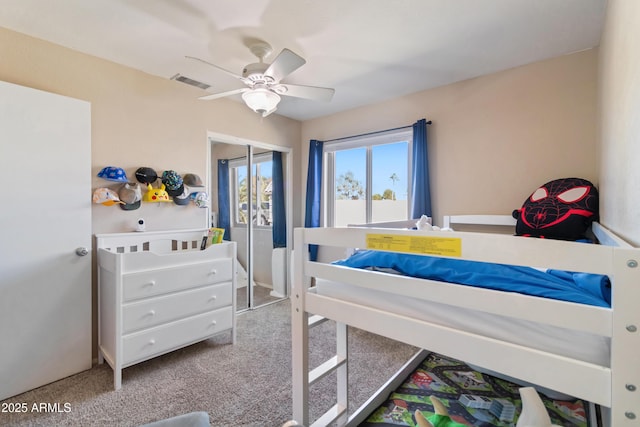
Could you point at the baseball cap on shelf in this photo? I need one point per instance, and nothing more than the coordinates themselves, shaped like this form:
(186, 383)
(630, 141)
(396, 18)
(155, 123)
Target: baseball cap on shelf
(105, 196)
(146, 175)
(173, 183)
(192, 179)
(131, 195)
(183, 199)
(156, 194)
(113, 173)
(201, 199)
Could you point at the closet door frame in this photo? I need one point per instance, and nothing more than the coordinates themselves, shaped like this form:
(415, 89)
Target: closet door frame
(214, 137)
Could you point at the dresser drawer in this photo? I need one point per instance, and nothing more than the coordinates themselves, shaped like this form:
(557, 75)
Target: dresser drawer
(166, 308)
(161, 281)
(149, 343)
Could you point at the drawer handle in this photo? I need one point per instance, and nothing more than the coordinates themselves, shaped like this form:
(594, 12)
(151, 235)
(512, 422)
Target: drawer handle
(213, 298)
(213, 323)
(152, 341)
(151, 313)
(151, 283)
(213, 271)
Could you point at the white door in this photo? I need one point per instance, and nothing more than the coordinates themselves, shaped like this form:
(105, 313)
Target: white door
(45, 215)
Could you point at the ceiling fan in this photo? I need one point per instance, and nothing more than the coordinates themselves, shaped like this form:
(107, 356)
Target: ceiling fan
(263, 80)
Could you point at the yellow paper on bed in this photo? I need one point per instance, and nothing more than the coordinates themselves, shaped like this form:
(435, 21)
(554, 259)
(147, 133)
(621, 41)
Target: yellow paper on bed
(446, 246)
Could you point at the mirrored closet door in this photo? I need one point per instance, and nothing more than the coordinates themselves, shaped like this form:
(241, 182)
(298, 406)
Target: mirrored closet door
(252, 180)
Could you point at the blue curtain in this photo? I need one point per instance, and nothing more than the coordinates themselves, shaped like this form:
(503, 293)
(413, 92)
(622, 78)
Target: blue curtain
(279, 226)
(314, 191)
(224, 205)
(420, 189)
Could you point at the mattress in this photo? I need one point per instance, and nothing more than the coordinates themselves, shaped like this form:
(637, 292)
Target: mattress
(581, 288)
(577, 345)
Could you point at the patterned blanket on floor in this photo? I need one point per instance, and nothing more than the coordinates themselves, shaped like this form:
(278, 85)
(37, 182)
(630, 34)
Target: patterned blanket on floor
(472, 398)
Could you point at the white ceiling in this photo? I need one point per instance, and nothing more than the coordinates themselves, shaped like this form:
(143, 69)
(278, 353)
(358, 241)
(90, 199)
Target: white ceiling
(368, 50)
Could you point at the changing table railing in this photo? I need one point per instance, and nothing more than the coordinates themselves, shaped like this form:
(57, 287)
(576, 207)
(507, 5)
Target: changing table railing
(171, 241)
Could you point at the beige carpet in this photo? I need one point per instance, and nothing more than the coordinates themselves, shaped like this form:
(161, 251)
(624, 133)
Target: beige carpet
(261, 296)
(246, 384)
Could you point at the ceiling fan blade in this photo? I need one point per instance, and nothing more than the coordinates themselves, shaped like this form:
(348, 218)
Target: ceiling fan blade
(307, 92)
(215, 66)
(223, 94)
(266, 113)
(285, 63)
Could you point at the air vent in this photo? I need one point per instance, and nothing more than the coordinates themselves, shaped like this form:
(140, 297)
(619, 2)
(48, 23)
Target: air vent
(189, 81)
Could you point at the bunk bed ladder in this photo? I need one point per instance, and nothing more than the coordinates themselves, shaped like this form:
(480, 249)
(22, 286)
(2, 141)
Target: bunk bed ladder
(303, 378)
(337, 363)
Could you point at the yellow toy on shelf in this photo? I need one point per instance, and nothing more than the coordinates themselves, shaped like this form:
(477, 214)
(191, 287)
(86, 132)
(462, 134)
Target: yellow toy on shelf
(156, 194)
(215, 235)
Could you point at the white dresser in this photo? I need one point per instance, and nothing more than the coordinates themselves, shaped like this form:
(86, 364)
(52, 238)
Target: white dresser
(159, 292)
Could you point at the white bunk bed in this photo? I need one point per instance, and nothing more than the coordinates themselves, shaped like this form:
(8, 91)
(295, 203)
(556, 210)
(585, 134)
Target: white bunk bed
(606, 374)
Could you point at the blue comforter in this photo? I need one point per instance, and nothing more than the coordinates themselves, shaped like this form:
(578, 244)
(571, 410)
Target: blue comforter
(584, 288)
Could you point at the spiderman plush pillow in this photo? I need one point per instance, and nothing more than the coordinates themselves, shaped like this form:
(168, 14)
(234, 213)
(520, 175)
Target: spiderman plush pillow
(560, 209)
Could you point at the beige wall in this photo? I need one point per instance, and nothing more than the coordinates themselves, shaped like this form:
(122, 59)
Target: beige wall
(494, 139)
(138, 120)
(619, 92)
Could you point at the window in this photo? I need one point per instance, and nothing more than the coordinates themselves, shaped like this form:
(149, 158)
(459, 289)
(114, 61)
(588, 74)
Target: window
(261, 190)
(368, 178)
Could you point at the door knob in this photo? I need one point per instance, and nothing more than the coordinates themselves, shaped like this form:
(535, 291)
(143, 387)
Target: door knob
(82, 251)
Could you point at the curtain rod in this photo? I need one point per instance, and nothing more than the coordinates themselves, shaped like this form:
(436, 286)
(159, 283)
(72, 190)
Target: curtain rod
(372, 133)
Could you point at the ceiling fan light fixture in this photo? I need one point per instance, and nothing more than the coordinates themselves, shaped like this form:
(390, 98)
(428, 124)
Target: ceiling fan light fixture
(264, 89)
(261, 100)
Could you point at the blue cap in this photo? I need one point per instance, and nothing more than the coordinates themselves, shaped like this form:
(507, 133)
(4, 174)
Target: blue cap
(112, 173)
